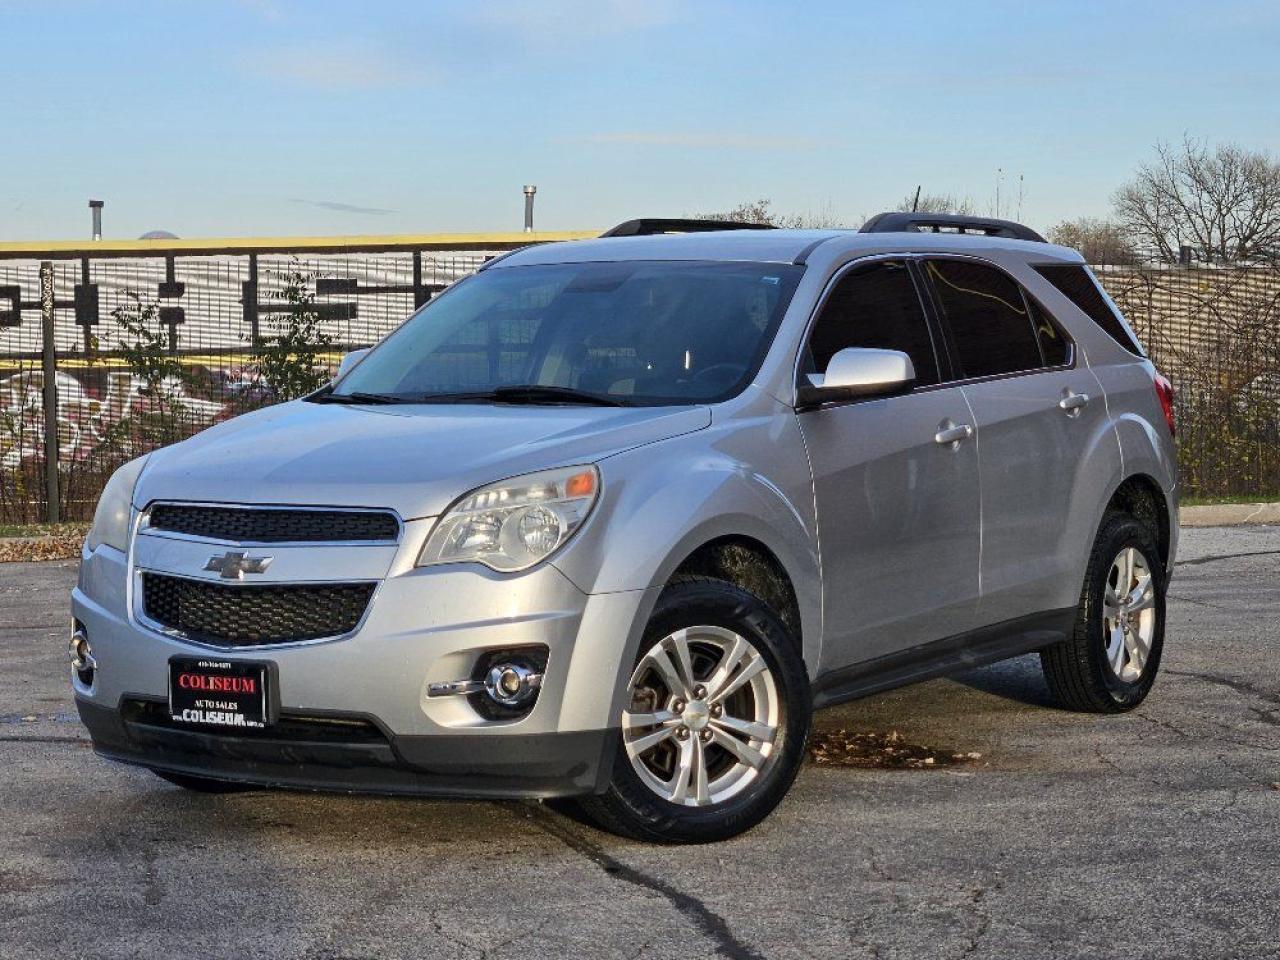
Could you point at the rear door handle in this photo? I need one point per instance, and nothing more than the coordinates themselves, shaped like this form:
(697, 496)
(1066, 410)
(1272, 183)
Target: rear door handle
(1073, 402)
(953, 434)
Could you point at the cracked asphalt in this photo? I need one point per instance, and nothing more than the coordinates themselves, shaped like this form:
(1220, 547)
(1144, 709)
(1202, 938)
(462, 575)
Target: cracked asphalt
(1151, 835)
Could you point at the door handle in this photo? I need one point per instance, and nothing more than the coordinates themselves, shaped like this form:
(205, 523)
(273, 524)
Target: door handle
(953, 434)
(1073, 403)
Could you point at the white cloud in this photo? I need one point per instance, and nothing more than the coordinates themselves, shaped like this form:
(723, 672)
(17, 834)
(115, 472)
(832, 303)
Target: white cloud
(574, 19)
(337, 206)
(331, 66)
(266, 9)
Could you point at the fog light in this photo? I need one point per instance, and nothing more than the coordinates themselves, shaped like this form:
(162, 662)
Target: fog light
(512, 684)
(503, 685)
(81, 655)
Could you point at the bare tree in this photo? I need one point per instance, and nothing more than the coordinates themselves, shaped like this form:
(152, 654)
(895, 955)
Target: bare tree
(761, 211)
(1101, 241)
(937, 203)
(1223, 202)
(753, 211)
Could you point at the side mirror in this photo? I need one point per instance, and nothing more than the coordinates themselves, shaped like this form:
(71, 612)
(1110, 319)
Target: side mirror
(859, 372)
(349, 361)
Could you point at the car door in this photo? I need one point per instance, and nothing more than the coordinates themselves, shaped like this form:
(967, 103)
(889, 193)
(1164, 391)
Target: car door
(897, 504)
(1035, 410)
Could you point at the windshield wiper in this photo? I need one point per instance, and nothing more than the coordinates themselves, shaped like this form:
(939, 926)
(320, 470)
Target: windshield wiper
(537, 393)
(527, 393)
(531, 393)
(356, 397)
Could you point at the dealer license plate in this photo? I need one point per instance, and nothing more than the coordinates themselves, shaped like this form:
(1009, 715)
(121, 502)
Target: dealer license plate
(208, 692)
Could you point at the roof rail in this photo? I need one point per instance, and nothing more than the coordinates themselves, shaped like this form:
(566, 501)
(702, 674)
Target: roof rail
(648, 226)
(937, 222)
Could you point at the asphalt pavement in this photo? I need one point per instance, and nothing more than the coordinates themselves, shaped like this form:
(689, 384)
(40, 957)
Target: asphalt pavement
(1150, 835)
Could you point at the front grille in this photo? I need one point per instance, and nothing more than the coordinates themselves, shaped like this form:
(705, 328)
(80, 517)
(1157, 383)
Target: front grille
(257, 525)
(243, 616)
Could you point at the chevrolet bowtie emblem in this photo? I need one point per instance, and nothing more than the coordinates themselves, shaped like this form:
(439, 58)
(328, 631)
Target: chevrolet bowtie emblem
(233, 566)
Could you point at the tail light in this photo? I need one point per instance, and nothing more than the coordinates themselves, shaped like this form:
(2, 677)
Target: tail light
(1164, 391)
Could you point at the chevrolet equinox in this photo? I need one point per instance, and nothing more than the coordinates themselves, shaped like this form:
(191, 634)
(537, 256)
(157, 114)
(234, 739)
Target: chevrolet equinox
(609, 519)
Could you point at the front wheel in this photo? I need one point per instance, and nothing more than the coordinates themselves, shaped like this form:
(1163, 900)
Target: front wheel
(716, 718)
(1109, 664)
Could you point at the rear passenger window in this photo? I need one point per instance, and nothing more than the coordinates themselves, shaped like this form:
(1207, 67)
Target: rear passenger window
(875, 306)
(988, 317)
(1053, 342)
(1078, 286)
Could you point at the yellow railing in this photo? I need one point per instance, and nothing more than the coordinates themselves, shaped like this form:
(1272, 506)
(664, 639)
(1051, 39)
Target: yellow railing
(209, 246)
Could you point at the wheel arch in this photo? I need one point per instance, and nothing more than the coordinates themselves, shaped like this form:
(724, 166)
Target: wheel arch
(748, 563)
(1142, 497)
(743, 550)
(703, 507)
(736, 547)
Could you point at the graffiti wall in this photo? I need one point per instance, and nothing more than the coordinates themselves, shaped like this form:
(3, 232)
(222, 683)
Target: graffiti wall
(151, 349)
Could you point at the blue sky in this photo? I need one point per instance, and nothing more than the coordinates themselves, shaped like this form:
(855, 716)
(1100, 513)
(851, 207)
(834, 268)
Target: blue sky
(283, 117)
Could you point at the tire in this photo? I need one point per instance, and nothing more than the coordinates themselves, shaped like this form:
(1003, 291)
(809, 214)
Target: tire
(203, 784)
(1080, 671)
(741, 785)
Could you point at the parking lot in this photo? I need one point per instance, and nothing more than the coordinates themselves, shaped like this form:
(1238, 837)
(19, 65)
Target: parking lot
(1148, 835)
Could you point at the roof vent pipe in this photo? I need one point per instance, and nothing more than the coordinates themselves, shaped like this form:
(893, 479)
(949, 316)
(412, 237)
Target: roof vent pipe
(529, 191)
(96, 207)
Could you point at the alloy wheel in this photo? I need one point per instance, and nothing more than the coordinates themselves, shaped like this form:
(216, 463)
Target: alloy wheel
(1129, 614)
(702, 716)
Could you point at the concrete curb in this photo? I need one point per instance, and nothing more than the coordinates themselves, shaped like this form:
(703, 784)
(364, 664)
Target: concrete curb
(1230, 514)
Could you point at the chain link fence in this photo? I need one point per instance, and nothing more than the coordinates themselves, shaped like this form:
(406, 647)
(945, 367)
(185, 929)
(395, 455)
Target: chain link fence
(150, 349)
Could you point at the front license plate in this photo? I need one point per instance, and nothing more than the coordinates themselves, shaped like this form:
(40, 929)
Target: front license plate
(218, 693)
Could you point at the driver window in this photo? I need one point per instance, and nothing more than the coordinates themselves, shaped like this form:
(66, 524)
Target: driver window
(874, 306)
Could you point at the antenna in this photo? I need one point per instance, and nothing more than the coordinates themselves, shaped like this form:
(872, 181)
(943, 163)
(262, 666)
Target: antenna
(915, 204)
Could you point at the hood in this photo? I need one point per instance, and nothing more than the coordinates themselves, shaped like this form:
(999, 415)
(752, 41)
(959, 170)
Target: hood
(414, 459)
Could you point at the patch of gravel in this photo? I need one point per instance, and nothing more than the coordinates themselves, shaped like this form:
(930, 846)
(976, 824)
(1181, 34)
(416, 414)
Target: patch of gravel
(843, 748)
(61, 547)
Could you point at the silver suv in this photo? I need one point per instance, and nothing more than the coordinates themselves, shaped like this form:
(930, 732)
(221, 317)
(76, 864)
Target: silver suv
(609, 519)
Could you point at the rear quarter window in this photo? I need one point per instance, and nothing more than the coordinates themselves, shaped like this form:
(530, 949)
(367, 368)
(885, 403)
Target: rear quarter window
(1053, 342)
(1076, 283)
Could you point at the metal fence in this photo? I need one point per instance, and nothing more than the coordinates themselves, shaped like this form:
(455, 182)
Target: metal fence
(154, 341)
(1215, 332)
(145, 343)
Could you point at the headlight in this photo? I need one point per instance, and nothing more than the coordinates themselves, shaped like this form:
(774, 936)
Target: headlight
(111, 519)
(514, 524)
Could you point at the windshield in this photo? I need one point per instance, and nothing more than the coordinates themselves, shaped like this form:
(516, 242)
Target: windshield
(633, 333)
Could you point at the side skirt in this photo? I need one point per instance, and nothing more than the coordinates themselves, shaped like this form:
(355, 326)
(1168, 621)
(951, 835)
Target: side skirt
(940, 658)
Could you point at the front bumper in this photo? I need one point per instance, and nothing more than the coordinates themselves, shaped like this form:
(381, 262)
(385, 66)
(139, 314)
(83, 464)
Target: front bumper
(514, 765)
(423, 626)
